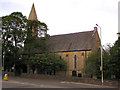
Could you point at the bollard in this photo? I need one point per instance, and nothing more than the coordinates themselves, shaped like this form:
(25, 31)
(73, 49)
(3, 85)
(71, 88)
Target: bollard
(6, 77)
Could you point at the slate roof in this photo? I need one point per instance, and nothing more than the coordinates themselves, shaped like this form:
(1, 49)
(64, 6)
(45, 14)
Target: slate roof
(71, 42)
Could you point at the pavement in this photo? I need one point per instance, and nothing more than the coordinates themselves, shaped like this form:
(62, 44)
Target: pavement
(17, 82)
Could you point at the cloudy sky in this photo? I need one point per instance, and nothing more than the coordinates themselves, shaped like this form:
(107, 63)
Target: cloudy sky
(70, 16)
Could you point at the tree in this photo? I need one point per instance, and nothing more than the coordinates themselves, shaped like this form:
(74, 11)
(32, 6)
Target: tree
(47, 63)
(92, 64)
(115, 59)
(36, 28)
(13, 35)
(36, 36)
(35, 43)
(111, 62)
(18, 32)
(36, 39)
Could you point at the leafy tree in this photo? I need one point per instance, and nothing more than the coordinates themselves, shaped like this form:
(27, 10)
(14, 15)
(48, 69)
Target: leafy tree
(115, 59)
(36, 36)
(35, 44)
(18, 32)
(106, 65)
(92, 64)
(111, 62)
(36, 39)
(47, 63)
(13, 35)
(36, 29)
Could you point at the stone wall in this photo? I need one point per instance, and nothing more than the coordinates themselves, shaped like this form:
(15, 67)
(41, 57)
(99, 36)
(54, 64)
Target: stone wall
(69, 57)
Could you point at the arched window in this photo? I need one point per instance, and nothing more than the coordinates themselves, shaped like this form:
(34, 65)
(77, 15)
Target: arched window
(75, 62)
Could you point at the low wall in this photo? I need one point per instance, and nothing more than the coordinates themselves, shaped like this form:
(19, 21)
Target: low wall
(9, 73)
(68, 78)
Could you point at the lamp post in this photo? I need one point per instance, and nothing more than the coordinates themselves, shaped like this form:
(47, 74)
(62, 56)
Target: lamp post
(101, 67)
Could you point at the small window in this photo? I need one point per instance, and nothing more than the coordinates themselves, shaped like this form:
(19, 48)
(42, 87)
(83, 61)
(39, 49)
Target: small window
(66, 55)
(82, 54)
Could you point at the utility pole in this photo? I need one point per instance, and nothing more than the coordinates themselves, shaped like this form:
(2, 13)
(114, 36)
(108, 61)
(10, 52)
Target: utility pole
(101, 67)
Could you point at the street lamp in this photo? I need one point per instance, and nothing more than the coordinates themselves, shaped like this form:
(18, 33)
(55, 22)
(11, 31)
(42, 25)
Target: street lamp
(101, 67)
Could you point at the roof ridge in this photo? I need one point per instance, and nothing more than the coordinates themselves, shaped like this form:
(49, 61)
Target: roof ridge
(71, 33)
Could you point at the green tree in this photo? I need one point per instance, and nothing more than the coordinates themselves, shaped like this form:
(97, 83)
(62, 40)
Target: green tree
(18, 32)
(47, 63)
(36, 39)
(115, 59)
(36, 44)
(13, 35)
(92, 64)
(111, 62)
(36, 36)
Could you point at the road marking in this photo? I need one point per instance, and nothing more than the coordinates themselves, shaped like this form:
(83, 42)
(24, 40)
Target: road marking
(37, 85)
(86, 84)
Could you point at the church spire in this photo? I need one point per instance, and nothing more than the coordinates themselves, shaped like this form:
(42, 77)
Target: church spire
(32, 15)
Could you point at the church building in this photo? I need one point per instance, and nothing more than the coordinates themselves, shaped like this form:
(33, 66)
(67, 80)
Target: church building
(73, 47)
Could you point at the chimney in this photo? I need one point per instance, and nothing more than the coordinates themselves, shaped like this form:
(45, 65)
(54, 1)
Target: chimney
(95, 28)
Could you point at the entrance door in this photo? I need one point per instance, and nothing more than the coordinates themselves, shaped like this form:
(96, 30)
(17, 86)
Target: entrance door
(74, 73)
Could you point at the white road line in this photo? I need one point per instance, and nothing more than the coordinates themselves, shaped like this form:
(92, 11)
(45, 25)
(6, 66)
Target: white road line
(86, 84)
(37, 85)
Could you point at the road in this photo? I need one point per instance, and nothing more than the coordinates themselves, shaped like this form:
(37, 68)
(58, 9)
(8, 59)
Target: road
(17, 82)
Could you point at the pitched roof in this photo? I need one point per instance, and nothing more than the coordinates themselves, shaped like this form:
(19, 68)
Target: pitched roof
(33, 15)
(71, 42)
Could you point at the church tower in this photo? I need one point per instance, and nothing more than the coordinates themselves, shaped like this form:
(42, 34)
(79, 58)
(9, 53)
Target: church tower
(33, 16)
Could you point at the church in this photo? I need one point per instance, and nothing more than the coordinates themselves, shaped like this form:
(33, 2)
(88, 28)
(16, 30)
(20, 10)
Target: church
(72, 47)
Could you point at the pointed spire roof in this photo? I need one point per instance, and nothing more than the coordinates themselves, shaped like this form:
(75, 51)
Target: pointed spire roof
(33, 15)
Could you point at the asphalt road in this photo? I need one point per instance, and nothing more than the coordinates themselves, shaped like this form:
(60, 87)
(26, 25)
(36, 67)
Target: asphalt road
(17, 82)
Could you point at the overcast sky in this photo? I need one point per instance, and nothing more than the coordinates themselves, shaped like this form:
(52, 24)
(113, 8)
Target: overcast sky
(70, 16)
